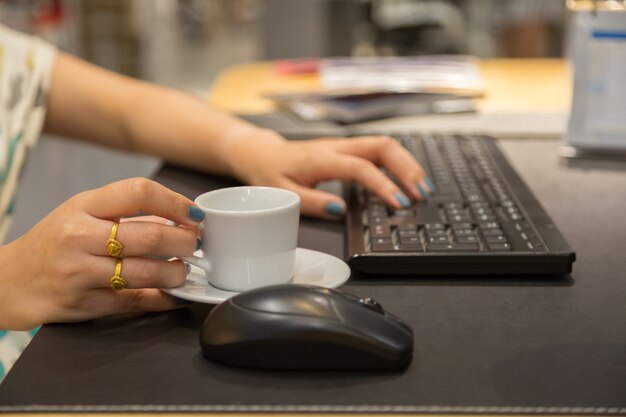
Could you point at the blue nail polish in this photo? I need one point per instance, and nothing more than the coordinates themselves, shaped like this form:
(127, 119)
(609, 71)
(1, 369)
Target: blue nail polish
(182, 301)
(430, 185)
(422, 192)
(198, 244)
(334, 209)
(403, 200)
(195, 214)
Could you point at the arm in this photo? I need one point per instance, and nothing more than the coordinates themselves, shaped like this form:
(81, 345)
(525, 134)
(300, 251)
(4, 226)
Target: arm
(90, 103)
(59, 271)
(94, 104)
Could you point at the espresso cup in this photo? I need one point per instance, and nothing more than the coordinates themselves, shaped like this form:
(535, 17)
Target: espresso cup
(249, 237)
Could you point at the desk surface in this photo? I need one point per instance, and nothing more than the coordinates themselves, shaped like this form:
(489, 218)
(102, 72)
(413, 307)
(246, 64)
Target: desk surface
(487, 346)
(497, 345)
(510, 85)
(529, 96)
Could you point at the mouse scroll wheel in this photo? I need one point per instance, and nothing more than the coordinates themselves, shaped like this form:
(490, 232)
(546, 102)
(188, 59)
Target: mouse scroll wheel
(372, 304)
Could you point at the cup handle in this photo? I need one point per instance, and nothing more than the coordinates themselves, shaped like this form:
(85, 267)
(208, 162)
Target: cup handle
(197, 261)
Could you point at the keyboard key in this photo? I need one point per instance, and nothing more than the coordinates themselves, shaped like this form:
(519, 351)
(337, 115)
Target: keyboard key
(464, 232)
(377, 211)
(485, 217)
(404, 213)
(481, 210)
(434, 226)
(380, 230)
(496, 239)
(410, 239)
(436, 233)
(458, 247)
(467, 239)
(464, 217)
(410, 247)
(492, 232)
(499, 247)
(381, 240)
(382, 247)
(402, 221)
(379, 220)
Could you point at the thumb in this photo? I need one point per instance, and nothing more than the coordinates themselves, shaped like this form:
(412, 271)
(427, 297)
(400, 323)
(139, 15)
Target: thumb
(317, 203)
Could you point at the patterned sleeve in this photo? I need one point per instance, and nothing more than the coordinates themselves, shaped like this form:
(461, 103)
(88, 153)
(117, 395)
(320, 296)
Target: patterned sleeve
(25, 70)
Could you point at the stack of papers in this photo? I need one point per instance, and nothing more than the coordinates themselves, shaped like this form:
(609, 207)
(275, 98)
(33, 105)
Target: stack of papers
(362, 89)
(457, 74)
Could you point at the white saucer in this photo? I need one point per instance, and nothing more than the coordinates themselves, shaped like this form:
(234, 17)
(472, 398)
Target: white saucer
(312, 267)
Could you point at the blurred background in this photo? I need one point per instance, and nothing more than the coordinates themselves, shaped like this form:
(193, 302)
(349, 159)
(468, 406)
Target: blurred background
(186, 43)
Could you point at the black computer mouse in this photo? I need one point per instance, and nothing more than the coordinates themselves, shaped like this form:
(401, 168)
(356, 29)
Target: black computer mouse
(304, 327)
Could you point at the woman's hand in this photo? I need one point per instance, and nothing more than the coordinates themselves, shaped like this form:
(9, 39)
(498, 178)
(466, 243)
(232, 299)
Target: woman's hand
(121, 112)
(59, 271)
(268, 159)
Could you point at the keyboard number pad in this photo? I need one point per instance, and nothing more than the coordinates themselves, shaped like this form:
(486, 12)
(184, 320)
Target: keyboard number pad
(459, 237)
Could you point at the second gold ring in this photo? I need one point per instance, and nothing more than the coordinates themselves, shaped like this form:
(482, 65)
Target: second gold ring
(117, 282)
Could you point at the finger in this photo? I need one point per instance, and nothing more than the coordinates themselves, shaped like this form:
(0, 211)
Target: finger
(139, 272)
(160, 220)
(389, 154)
(142, 238)
(317, 203)
(352, 168)
(146, 218)
(139, 195)
(106, 302)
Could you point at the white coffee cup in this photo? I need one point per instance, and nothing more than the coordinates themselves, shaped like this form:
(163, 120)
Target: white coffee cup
(249, 237)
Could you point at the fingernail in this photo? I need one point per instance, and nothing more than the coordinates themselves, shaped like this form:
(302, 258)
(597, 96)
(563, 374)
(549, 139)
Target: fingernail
(430, 185)
(195, 214)
(402, 199)
(422, 192)
(334, 209)
(182, 301)
(198, 244)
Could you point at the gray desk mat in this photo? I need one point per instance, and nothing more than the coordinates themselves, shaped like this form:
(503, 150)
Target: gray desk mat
(499, 345)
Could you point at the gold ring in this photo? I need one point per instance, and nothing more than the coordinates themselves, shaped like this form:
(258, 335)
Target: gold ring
(114, 246)
(117, 282)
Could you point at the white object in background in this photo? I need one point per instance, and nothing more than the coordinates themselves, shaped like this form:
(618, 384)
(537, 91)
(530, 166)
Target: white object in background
(598, 41)
(421, 74)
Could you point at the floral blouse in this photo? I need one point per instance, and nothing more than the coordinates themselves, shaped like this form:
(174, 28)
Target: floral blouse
(25, 70)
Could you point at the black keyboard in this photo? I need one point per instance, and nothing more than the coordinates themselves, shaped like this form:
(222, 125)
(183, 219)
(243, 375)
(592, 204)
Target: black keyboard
(481, 219)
